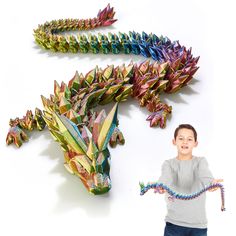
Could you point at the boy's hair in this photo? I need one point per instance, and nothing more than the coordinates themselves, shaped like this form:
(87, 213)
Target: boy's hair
(186, 126)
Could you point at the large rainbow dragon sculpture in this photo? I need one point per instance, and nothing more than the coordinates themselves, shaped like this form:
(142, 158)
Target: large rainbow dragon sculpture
(68, 114)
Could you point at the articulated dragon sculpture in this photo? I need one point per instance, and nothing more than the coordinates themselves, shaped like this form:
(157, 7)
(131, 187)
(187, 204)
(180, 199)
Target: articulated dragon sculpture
(68, 114)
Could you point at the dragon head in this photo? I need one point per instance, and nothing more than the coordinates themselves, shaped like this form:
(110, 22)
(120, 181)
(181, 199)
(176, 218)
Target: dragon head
(85, 149)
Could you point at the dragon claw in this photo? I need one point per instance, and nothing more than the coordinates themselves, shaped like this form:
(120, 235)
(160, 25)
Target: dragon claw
(116, 137)
(160, 117)
(16, 136)
(29, 122)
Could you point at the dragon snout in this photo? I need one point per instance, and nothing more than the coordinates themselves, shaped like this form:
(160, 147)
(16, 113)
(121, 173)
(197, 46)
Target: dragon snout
(100, 184)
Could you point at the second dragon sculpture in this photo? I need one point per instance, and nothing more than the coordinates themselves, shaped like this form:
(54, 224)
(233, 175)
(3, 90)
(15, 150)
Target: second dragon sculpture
(174, 195)
(82, 133)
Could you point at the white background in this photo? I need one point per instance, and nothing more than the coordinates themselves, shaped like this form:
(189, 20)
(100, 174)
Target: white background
(38, 196)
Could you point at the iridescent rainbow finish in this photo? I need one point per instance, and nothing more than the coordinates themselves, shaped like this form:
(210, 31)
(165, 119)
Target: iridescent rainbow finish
(174, 195)
(68, 113)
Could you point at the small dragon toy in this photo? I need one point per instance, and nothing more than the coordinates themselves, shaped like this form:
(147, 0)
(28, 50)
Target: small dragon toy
(174, 195)
(83, 133)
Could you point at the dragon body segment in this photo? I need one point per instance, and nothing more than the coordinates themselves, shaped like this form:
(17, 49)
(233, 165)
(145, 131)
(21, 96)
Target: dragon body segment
(82, 133)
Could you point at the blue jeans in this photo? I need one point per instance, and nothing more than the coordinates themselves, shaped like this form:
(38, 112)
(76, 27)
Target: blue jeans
(176, 230)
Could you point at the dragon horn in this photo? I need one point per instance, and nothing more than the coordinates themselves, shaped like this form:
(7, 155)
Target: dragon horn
(107, 129)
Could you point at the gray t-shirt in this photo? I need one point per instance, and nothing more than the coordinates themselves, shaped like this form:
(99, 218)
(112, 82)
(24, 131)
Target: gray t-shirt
(186, 176)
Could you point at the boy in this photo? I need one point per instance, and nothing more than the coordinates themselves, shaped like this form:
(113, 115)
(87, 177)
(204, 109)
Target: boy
(186, 174)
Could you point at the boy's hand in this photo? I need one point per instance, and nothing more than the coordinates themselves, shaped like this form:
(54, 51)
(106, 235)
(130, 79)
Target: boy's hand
(159, 190)
(214, 182)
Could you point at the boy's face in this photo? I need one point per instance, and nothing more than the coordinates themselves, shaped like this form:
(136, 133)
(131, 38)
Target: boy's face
(185, 141)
